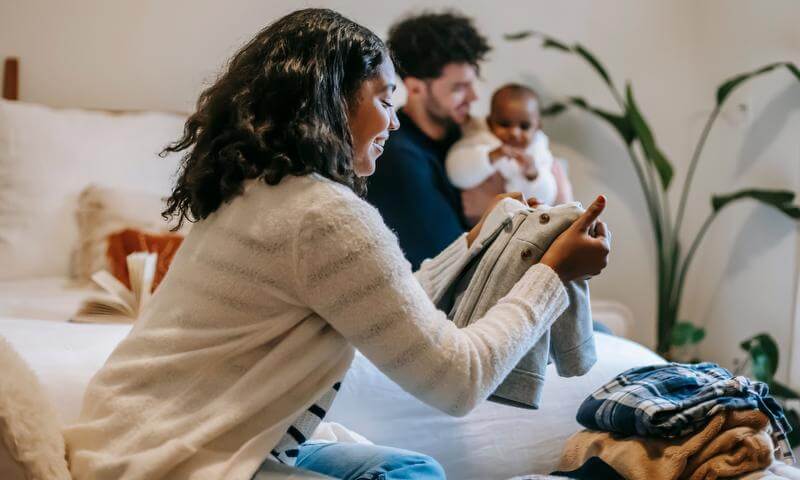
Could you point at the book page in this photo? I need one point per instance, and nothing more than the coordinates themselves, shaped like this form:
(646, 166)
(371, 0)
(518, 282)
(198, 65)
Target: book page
(101, 307)
(141, 272)
(118, 304)
(115, 288)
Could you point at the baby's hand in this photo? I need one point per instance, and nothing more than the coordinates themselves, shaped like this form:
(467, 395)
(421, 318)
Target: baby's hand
(523, 159)
(502, 151)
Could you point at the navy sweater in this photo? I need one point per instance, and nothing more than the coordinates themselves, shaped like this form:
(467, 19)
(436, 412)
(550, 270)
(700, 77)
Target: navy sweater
(411, 190)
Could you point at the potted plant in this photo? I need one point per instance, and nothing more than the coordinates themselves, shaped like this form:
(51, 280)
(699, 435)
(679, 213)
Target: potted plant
(761, 363)
(655, 174)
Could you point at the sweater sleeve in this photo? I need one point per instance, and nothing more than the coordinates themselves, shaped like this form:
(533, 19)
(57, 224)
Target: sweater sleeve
(351, 272)
(436, 273)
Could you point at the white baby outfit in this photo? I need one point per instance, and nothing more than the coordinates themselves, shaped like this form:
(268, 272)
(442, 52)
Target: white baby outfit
(468, 163)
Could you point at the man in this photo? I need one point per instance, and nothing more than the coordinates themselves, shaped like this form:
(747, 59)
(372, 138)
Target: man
(438, 57)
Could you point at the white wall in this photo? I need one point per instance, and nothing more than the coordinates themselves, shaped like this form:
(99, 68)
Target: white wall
(745, 277)
(157, 55)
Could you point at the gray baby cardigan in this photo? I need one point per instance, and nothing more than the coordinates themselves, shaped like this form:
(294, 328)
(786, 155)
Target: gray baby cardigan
(501, 259)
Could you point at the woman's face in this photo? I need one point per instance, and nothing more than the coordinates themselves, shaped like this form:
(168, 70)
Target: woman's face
(372, 117)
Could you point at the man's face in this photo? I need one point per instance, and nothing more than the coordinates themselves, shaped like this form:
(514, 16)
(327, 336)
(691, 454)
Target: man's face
(449, 96)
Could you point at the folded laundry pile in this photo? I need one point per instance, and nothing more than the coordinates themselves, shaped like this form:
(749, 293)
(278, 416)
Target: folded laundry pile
(677, 421)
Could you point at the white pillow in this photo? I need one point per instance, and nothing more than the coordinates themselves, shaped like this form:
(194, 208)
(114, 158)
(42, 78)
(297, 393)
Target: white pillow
(47, 156)
(493, 441)
(102, 211)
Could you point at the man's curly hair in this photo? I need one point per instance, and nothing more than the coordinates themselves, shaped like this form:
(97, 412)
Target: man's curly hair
(423, 44)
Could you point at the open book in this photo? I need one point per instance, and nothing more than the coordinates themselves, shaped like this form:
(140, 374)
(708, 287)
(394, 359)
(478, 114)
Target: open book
(118, 304)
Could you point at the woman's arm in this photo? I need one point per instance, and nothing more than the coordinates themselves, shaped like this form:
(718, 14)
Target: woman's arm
(351, 272)
(436, 273)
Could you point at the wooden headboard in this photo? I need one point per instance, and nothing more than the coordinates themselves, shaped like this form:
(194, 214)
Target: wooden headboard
(11, 79)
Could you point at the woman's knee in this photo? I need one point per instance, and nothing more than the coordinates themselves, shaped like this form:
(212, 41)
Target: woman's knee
(406, 464)
(429, 465)
(368, 462)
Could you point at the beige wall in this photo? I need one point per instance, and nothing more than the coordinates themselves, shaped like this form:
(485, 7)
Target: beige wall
(157, 55)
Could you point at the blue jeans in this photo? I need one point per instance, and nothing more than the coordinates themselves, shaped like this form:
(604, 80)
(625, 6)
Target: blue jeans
(599, 327)
(354, 461)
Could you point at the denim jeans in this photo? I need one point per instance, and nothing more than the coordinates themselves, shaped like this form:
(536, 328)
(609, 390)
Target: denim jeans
(355, 461)
(602, 328)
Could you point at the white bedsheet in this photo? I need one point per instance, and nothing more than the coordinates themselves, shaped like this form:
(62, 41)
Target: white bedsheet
(46, 298)
(494, 441)
(63, 355)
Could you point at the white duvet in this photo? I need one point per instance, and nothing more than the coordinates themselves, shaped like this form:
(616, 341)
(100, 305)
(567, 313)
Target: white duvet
(493, 441)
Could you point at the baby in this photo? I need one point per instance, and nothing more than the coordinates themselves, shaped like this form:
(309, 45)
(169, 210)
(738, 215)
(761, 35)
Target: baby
(509, 141)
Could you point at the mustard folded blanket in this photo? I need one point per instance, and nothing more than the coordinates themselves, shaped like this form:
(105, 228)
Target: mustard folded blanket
(732, 443)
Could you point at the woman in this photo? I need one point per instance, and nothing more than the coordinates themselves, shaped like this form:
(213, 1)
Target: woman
(287, 270)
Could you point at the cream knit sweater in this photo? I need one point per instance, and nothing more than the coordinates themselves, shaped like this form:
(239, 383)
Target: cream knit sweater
(259, 317)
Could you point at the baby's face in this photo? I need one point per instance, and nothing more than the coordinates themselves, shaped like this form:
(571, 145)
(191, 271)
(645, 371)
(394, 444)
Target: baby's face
(515, 120)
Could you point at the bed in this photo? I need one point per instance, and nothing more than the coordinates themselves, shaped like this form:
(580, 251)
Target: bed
(48, 160)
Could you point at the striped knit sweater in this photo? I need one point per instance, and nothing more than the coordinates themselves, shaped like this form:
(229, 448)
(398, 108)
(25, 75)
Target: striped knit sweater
(258, 319)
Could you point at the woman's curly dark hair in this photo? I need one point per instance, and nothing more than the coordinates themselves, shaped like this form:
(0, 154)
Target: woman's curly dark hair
(422, 45)
(279, 109)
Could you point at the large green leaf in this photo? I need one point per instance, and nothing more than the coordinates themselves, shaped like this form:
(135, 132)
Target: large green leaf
(600, 69)
(619, 122)
(654, 155)
(794, 422)
(763, 355)
(732, 83)
(698, 335)
(684, 333)
(778, 389)
(779, 199)
(793, 68)
(681, 333)
(553, 43)
(577, 49)
(521, 35)
(553, 109)
(547, 42)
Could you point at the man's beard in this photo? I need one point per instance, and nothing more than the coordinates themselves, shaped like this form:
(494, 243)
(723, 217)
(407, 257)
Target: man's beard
(437, 113)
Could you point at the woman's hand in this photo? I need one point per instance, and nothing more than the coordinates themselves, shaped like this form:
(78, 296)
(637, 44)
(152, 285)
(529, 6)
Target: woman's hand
(582, 249)
(473, 234)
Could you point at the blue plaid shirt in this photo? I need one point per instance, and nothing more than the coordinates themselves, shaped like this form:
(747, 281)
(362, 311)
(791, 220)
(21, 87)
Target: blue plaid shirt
(675, 399)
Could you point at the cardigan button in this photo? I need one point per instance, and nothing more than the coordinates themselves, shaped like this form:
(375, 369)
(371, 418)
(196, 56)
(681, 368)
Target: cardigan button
(526, 254)
(544, 218)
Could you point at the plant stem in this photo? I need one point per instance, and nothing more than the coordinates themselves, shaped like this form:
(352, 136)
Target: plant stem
(661, 203)
(660, 218)
(675, 301)
(692, 166)
(648, 195)
(658, 203)
(618, 97)
(676, 275)
(667, 211)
